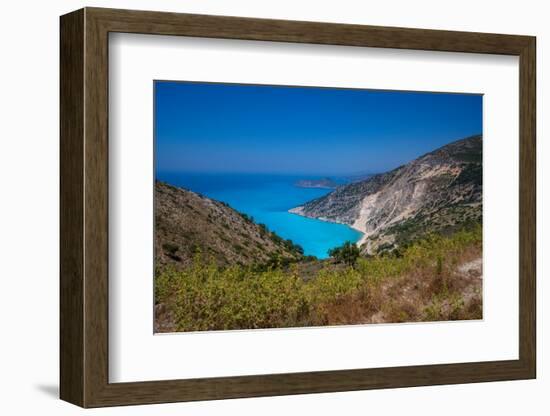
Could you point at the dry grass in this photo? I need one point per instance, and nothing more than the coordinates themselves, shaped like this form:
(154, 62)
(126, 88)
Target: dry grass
(423, 283)
(426, 293)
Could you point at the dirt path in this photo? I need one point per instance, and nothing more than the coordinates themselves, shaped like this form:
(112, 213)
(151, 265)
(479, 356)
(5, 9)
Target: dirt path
(472, 271)
(472, 268)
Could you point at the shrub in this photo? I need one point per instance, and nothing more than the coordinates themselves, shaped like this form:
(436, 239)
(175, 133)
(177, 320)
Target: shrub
(170, 248)
(293, 247)
(347, 253)
(204, 296)
(171, 251)
(263, 229)
(210, 298)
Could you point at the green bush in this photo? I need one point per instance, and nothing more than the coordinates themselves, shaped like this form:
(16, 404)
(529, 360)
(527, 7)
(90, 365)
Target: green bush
(204, 296)
(347, 253)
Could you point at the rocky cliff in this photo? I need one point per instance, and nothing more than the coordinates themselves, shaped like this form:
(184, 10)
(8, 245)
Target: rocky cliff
(438, 192)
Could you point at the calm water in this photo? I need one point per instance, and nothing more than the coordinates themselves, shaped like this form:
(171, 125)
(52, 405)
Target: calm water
(267, 198)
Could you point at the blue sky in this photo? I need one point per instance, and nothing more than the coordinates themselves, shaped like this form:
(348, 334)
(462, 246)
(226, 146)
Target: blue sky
(202, 127)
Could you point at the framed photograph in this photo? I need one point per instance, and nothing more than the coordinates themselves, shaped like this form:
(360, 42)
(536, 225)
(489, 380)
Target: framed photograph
(255, 207)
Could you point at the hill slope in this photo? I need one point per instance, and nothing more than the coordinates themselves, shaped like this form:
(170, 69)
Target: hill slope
(438, 192)
(325, 183)
(187, 223)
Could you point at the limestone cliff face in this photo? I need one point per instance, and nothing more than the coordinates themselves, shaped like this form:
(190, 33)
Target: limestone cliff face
(438, 192)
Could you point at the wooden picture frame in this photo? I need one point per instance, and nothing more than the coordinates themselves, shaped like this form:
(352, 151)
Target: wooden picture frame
(84, 207)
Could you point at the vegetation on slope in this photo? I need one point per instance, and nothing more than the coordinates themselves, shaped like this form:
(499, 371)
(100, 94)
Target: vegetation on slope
(439, 192)
(187, 222)
(348, 253)
(430, 280)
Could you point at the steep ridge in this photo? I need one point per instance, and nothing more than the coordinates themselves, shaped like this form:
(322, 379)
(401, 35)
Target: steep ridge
(188, 223)
(439, 192)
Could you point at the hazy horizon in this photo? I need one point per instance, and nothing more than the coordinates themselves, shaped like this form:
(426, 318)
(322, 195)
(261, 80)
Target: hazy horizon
(237, 172)
(245, 129)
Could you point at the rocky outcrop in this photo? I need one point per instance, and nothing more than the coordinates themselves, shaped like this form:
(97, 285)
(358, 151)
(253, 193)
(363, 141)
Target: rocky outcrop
(438, 192)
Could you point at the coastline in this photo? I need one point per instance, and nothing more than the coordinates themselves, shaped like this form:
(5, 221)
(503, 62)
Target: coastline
(363, 238)
(300, 211)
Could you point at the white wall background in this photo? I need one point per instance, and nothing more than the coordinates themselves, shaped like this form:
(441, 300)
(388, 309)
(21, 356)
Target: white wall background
(29, 209)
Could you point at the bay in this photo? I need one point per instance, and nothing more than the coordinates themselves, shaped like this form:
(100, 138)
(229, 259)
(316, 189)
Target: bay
(267, 198)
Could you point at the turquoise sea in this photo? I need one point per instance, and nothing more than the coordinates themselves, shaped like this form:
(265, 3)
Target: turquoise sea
(267, 198)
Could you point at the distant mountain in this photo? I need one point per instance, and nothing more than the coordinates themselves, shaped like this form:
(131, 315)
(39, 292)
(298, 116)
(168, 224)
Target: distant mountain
(325, 183)
(438, 192)
(358, 177)
(188, 223)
